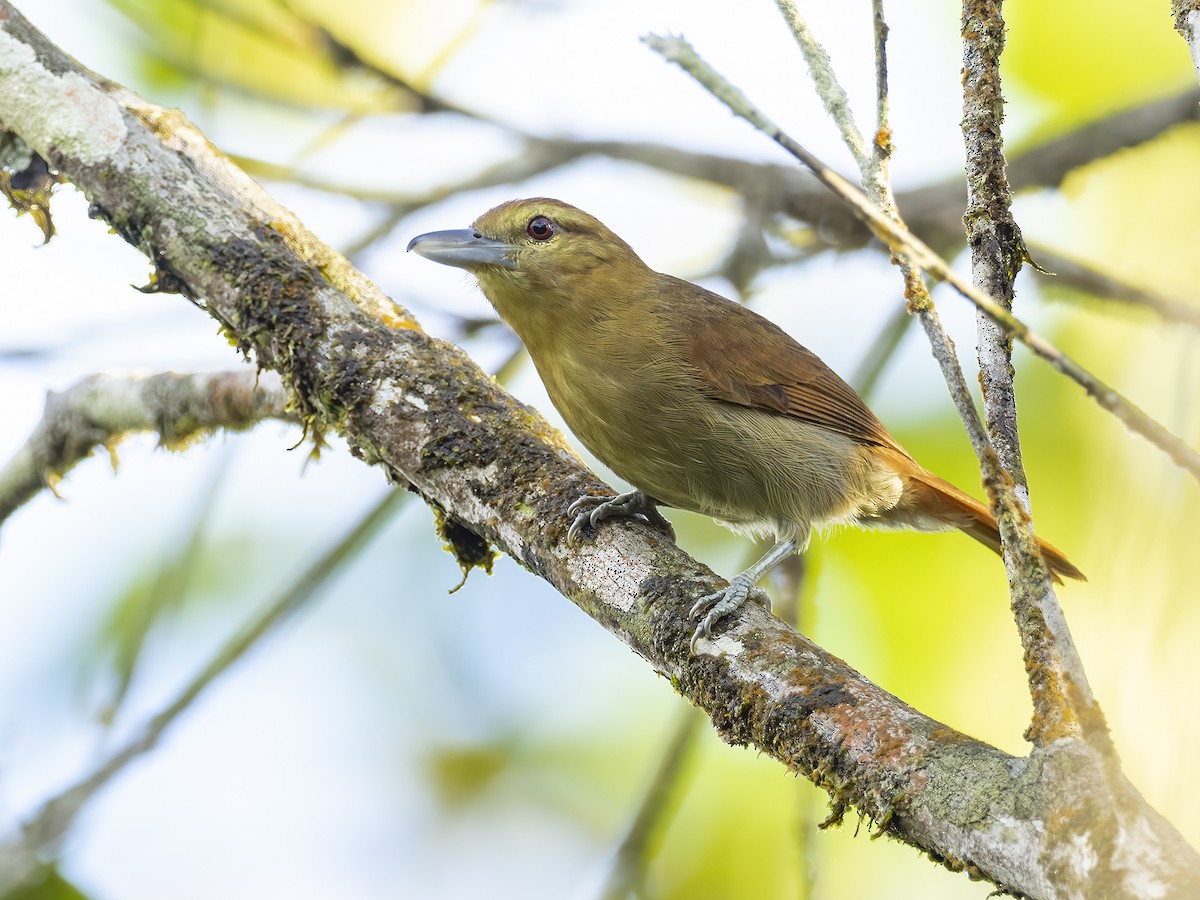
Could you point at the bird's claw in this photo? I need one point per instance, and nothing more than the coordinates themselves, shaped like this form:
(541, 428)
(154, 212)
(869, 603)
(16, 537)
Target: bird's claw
(586, 511)
(590, 511)
(712, 608)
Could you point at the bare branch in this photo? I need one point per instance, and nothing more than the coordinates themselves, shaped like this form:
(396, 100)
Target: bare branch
(882, 145)
(933, 212)
(1054, 699)
(101, 409)
(837, 103)
(1063, 705)
(881, 202)
(1048, 163)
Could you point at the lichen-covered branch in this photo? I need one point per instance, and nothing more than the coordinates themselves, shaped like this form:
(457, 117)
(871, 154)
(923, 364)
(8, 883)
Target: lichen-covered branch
(993, 236)
(421, 410)
(820, 69)
(101, 409)
(1063, 705)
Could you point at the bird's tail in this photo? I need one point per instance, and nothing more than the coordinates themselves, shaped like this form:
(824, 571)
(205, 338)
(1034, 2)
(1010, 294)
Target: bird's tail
(927, 498)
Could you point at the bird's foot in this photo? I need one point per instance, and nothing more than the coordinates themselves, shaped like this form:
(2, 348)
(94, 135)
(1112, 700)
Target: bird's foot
(590, 511)
(715, 607)
(712, 608)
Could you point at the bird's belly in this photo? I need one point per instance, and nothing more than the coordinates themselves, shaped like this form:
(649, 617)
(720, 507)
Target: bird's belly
(755, 470)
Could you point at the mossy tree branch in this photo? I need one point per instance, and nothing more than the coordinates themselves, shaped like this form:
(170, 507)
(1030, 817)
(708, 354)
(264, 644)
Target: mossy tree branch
(102, 409)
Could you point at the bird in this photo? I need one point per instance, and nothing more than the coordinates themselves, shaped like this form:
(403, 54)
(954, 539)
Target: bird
(695, 400)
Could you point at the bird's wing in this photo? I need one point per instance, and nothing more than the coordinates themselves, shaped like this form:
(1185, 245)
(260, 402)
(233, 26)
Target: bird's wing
(746, 359)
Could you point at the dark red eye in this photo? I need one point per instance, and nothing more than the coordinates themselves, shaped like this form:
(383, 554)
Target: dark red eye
(540, 228)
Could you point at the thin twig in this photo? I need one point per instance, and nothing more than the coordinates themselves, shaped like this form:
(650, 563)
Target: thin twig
(1050, 695)
(883, 129)
(56, 815)
(933, 211)
(170, 580)
(101, 409)
(1063, 704)
(903, 243)
(1053, 700)
(837, 103)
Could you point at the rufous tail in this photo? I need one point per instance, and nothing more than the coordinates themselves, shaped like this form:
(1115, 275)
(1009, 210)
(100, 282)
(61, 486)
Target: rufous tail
(927, 496)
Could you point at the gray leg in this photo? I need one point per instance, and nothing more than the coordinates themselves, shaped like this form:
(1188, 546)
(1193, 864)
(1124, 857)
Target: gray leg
(715, 607)
(591, 511)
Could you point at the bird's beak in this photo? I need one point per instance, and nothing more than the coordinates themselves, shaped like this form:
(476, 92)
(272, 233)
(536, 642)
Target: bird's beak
(465, 248)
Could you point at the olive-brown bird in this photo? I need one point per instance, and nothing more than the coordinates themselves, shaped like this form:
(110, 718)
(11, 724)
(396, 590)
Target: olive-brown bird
(697, 401)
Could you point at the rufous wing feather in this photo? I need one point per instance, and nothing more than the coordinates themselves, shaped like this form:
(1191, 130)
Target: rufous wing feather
(746, 359)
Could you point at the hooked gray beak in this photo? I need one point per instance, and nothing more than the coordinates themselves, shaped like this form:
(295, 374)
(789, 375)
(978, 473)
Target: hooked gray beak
(465, 248)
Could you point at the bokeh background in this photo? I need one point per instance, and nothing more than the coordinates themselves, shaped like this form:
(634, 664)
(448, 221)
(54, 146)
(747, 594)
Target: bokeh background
(394, 741)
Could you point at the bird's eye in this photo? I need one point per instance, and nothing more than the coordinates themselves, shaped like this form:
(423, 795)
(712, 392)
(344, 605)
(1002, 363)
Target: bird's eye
(540, 228)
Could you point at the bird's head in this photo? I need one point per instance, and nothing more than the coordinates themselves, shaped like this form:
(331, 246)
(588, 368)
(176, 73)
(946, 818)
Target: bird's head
(539, 252)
